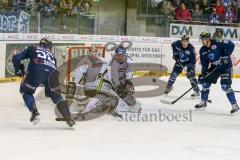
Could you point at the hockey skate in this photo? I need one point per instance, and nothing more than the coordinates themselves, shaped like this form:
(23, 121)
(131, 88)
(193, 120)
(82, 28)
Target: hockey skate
(70, 122)
(35, 116)
(235, 109)
(168, 89)
(201, 106)
(195, 95)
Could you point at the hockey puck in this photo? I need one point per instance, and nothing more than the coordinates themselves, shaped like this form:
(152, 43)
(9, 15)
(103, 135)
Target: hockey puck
(154, 80)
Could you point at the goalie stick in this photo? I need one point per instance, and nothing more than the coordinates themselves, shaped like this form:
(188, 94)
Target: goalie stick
(101, 109)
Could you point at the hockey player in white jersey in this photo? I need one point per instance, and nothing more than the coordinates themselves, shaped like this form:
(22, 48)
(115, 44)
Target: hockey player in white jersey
(96, 83)
(92, 76)
(121, 76)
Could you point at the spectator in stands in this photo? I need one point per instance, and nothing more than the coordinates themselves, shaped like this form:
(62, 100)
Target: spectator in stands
(176, 3)
(230, 15)
(79, 8)
(183, 13)
(226, 3)
(55, 11)
(87, 9)
(235, 7)
(19, 5)
(197, 12)
(189, 3)
(56, 3)
(46, 8)
(206, 10)
(214, 18)
(167, 9)
(220, 10)
(70, 9)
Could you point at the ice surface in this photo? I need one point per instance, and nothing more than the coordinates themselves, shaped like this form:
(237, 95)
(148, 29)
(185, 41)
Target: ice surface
(211, 135)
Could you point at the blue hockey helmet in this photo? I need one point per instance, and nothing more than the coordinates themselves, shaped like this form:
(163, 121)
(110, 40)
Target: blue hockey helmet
(120, 50)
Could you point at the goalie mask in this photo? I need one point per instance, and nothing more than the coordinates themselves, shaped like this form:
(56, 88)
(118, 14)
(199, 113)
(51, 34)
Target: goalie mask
(120, 54)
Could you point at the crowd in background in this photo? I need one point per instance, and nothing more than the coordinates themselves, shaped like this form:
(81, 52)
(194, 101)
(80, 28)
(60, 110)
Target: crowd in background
(49, 7)
(213, 11)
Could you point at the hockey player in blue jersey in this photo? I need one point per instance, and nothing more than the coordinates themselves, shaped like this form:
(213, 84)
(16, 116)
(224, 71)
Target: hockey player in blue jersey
(216, 62)
(42, 64)
(184, 55)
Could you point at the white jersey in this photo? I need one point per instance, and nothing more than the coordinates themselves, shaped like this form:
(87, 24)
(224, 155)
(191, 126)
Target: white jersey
(90, 70)
(121, 71)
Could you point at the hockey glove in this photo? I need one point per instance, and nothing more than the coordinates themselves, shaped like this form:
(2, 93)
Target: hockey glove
(176, 58)
(120, 90)
(21, 71)
(201, 78)
(128, 85)
(100, 75)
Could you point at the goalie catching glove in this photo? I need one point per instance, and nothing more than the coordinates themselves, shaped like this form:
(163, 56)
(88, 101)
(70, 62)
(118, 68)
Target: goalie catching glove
(123, 89)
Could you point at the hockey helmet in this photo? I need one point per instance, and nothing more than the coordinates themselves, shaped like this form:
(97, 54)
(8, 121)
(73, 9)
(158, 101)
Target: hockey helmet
(120, 50)
(205, 35)
(44, 42)
(185, 37)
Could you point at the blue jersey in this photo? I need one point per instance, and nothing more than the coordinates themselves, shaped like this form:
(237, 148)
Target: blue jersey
(40, 59)
(214, 54)
(184, 55)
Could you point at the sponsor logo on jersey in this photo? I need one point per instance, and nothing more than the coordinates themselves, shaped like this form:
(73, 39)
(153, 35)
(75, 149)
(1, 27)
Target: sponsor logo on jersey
(187, 52)
(211, 56)
(213, 47)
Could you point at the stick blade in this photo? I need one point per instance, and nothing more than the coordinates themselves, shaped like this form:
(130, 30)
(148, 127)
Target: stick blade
(166, 101)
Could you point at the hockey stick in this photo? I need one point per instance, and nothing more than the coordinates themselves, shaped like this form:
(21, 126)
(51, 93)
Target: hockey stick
(173, 102)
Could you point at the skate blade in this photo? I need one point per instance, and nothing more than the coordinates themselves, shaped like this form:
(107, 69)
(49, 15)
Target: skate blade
(235, 113)
(165, 101)
(200, 109)
(36, 120)
(195, 97)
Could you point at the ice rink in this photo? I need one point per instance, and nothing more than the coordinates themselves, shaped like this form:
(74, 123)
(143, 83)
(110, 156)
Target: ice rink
(210, 135)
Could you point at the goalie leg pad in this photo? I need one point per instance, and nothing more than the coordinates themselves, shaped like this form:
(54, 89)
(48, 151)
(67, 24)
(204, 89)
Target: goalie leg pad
(95, 102)
(63, 109)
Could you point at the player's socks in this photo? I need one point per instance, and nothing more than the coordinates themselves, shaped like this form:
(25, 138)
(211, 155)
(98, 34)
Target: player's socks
(235, 109)
(201, 106)
(35, 116)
